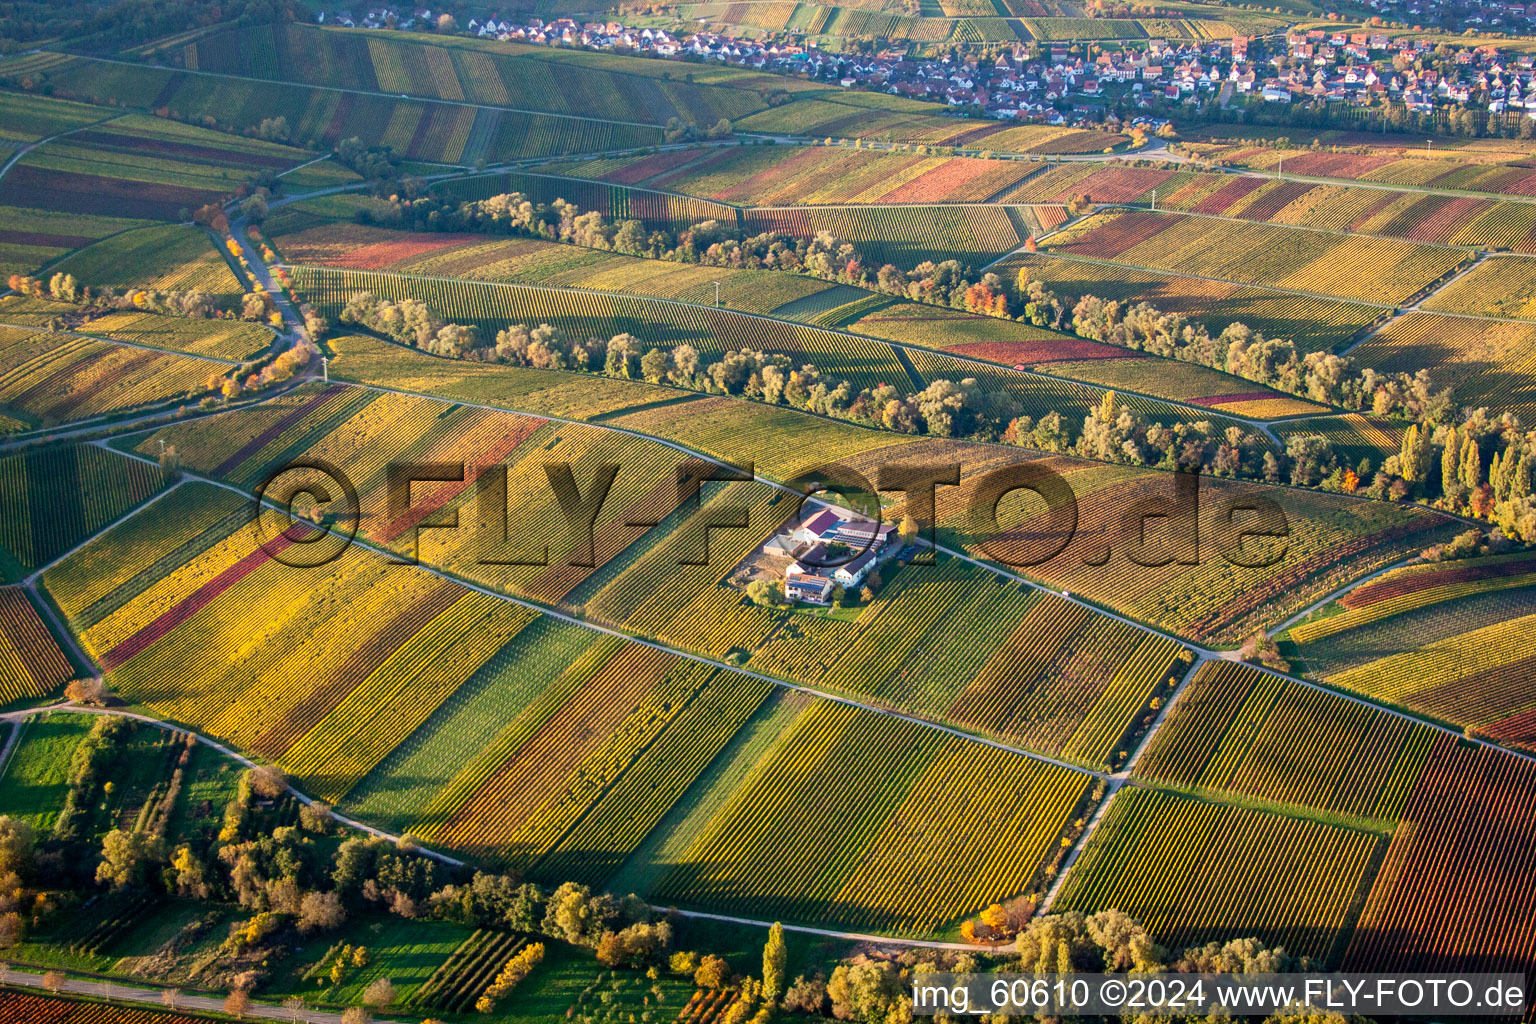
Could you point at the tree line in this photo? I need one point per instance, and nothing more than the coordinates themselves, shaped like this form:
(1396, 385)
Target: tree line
(1238, 349)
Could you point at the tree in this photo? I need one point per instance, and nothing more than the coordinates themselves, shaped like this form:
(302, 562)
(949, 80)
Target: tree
(775, 959)
(381, 992)
(125, 856)
(254, 209)
(273, 129)
(320, 911)
(295, 1006)
(238, 1003)
(53, 981)
(268, 781)
(765, 593)
(170, 998)
(87, 691)
(12, 930)
(1413, 460)
(868, 991)
(712, 972)
(316, 817)
(447, 23)
(18, 841)
(907, 529)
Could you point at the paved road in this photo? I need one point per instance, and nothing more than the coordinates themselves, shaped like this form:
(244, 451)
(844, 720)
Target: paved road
(121, 992)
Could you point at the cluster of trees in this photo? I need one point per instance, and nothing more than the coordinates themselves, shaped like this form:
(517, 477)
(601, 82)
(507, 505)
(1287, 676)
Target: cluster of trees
(944, 408)
(411, 322)
(678, 130)
(192, 303)
(877, 990)
(1243, 352)
(1237, 350)
(1480, 466)
(1111, 432)
(375, 163)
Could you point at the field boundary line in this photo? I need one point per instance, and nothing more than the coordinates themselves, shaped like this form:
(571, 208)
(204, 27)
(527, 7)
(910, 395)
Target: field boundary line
(29, 147)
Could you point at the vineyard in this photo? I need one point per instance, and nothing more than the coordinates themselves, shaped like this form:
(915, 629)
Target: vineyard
(1285, 701)
(1238, 730)
(1193, 872)
(458, 982)
(1379, 270)
(1312, 323)
(319, 118)
(1500, 287)
(1185, 382)
(156, 167)
(780, 175)
(529, 261)
(981, 337)
(872, 822)
(1411, 215)
(1209, 599)
(409, 645)
(1453, 894)
(1034, 669)
(1353, 436)
(1492, 361)
(1213, 598)
(545, 392)
(463, 71)
(31, 664)
(165, 258)
(217, 339)
(52, 498)
(32, 238)
(905, 236)
(1433, 639)
(26, 1008)
(712, 332)
(58, 378)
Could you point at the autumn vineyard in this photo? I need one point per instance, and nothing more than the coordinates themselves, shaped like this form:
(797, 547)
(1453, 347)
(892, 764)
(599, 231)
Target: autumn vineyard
(555, 520)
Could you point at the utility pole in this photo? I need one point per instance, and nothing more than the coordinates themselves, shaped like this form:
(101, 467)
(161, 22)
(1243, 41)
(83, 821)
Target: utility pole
(717, 294)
